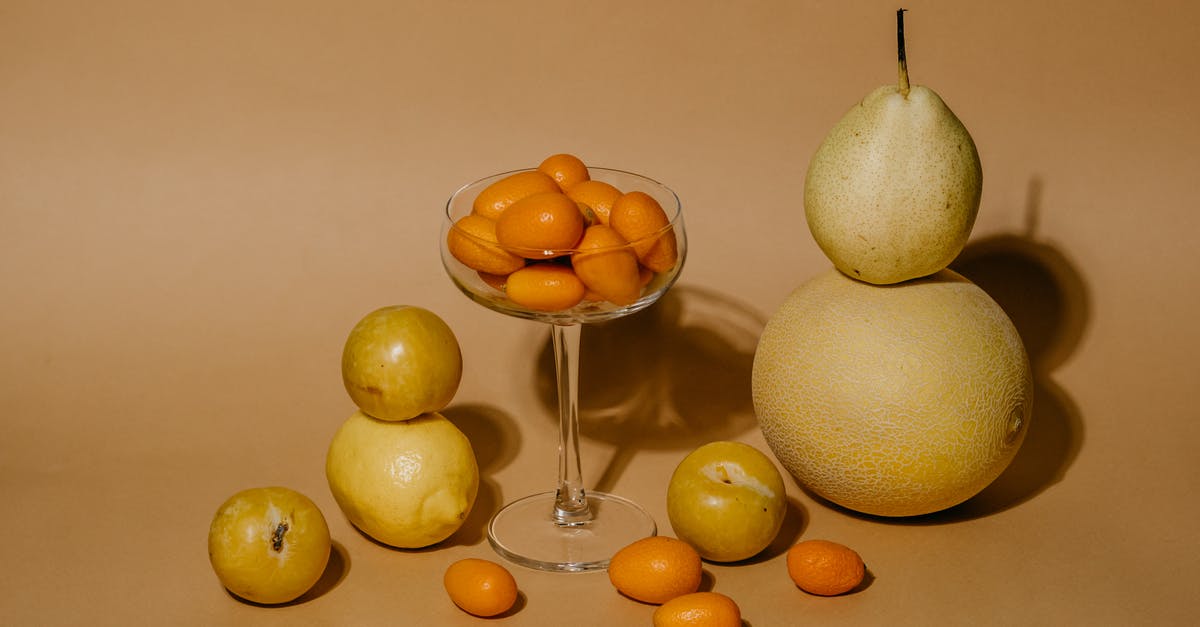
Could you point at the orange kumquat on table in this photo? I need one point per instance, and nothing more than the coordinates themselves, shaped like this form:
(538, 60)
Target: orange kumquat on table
(699, 609)
(480, 587)
(825, 568)
(656, 569)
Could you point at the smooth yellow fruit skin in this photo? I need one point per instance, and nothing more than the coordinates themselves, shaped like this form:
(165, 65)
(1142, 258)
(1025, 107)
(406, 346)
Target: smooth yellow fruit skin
(268, 545)
(727, 500)
(894, 401)
(893, 191)
(401, 361)
(408, 484)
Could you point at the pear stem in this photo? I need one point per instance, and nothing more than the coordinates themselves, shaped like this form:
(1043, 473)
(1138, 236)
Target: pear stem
(904, 87)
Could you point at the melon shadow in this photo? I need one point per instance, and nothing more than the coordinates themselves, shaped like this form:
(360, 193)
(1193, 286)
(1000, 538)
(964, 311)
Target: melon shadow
(1046, 296)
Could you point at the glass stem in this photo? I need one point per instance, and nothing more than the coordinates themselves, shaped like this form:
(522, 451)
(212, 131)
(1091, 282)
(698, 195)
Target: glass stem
(570, 504)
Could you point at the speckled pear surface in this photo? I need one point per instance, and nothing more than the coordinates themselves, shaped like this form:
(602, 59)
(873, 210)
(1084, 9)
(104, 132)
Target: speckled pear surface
(892, 192)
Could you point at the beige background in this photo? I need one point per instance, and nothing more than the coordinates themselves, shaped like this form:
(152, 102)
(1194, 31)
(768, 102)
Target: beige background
(198, 200)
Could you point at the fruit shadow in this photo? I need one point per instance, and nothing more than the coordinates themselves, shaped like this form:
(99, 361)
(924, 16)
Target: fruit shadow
(335, 572)
(517, 606)
(673, 376)
(496, 440)
(1047, 298)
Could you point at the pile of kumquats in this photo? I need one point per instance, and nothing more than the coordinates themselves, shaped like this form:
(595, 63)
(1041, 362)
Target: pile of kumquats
(552, 237)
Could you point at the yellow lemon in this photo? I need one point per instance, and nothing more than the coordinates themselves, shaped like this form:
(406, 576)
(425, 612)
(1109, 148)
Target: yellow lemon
(409, 483)
(896, 401)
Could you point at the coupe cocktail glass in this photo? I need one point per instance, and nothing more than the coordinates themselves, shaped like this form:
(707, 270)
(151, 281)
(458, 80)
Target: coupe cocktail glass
(568, 528)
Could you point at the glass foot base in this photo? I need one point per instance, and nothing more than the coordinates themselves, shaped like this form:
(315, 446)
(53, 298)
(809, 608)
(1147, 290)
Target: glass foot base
(524, 532)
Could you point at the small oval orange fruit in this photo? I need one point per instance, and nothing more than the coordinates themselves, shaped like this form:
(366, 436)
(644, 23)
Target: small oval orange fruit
(480, 587)
(589, 216)
(608, 266)
(544, 225)
(825, 568)
(545, 287)
(567, 170)
(597, 195)
(645, 275)
(656, 569)
(699, 609)
(639, 218)
(495, 198)
(494, 281)
(472, 241)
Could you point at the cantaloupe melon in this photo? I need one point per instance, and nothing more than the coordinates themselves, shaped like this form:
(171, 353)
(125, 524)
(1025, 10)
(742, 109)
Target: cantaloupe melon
(892, 400)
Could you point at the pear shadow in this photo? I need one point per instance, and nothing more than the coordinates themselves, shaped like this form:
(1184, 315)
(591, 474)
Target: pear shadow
(671, 377)
(335, 572)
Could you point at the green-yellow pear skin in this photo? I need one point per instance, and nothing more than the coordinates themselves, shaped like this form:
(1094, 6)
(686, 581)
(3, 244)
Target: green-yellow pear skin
(892, 192)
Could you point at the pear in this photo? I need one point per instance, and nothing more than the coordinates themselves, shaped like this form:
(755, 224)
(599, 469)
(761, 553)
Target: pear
(892, 192)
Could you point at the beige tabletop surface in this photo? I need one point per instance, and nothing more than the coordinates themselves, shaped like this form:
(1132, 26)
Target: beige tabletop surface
(199, 199)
